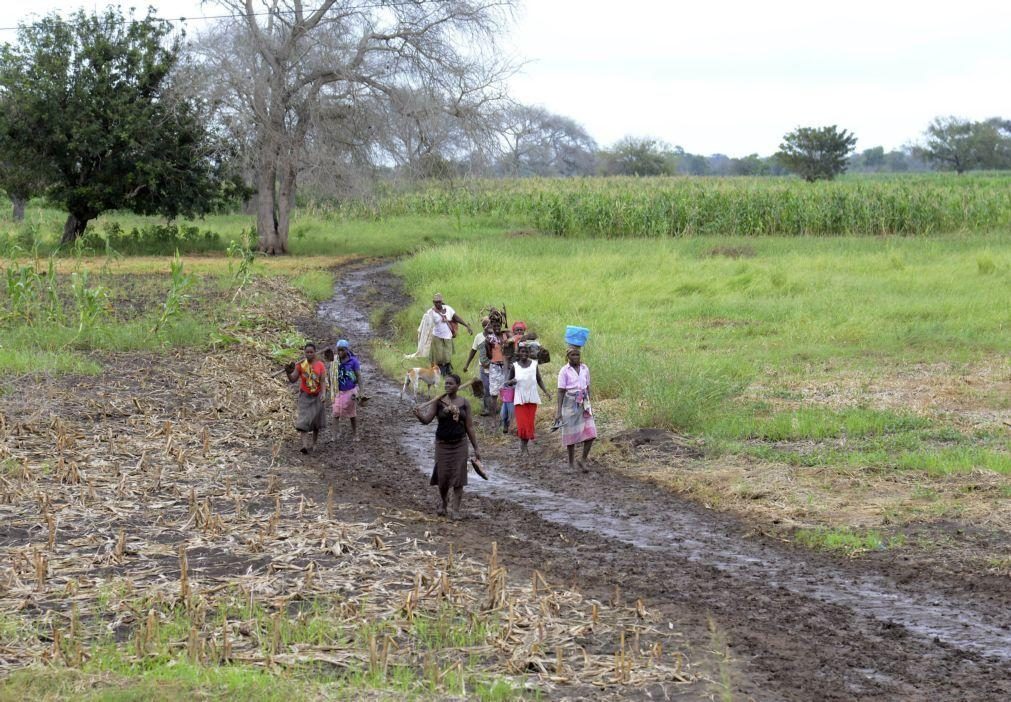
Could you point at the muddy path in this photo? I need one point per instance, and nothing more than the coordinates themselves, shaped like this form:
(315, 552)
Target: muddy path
(798, 625)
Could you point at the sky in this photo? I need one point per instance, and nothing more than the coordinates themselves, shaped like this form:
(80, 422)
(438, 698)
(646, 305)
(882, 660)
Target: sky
(733, 76)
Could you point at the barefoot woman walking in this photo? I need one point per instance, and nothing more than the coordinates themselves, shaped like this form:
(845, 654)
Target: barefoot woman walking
(451, 436)
(573, 416)
(310, 409)
(525, 377)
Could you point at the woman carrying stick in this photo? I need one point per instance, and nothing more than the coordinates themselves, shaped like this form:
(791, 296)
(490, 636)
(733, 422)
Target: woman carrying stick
(573, 416)
(310, 408)
(454, 429)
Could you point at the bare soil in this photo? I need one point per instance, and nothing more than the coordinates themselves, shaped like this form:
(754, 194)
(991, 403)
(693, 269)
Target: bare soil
(798, 625)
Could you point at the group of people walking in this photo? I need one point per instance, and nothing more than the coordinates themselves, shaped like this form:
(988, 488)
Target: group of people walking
(509, 358)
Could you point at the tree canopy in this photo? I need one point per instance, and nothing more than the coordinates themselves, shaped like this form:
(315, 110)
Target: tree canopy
(639, 156)
(816, 153)
(960, 145)
(91, 117)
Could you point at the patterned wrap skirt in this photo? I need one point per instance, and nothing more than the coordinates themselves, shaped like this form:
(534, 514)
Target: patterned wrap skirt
(577, 423)
(310, 414)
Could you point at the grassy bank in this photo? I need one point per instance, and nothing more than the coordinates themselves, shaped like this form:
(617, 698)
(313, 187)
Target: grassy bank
(57, 314)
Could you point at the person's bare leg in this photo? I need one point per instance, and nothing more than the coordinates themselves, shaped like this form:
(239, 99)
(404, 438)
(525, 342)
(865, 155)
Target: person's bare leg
(354, 429)
(524, 448)
(586, 452)
(315, 437)
(443, 495)
(572, 455)
(454, 508)
(305, 441)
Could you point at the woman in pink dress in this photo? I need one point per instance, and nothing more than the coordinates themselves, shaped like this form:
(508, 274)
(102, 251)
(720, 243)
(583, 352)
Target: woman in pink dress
(574, 417)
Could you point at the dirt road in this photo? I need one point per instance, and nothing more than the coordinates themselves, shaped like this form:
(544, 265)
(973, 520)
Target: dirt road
(799, 625)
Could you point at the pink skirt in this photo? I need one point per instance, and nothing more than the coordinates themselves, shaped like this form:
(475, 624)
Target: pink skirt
(344, 404)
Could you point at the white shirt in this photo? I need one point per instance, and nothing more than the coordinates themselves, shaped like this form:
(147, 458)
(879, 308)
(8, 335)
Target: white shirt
(441, 329)
(526, 384)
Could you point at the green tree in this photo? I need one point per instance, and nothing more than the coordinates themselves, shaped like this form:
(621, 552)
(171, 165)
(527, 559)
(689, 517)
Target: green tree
(90, 104)
(639, 156)
(21, 175)
(750, 165)
(873, 158)
(816, 153)
(949, 144)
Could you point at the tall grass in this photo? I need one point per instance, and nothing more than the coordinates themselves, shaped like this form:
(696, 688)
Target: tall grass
(685, 206)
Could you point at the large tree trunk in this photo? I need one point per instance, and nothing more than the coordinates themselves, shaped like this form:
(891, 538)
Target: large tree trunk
(286, 201)
(18, 203)
(266, 207)
(276, 183)
(73, 228)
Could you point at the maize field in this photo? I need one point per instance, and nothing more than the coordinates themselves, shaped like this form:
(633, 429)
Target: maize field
(686, 206)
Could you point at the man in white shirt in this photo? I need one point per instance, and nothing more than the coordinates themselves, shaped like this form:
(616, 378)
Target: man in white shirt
(443, 320)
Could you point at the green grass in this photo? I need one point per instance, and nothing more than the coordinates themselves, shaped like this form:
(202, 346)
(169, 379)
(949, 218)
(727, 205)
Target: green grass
(668, 320)
(177, 681)
(314, 232)
(30, 361)
(52, 348)
(844, 540)
(317, 286)
(962, 459)
(813, 423)
(681, 328)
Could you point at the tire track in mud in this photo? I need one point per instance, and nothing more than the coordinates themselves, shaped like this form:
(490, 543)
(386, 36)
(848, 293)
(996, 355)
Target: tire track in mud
(806, 625)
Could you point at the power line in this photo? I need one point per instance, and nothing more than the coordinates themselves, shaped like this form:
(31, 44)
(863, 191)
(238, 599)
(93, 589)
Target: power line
(265, 13)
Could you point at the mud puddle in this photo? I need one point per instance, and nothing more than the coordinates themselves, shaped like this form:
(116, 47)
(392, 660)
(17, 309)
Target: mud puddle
(684, 533)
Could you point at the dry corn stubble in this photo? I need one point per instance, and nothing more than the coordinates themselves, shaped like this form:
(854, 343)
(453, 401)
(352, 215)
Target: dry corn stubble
(178, 510)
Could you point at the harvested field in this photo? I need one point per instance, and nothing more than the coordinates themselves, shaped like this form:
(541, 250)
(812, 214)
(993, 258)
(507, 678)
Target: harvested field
(155, 513)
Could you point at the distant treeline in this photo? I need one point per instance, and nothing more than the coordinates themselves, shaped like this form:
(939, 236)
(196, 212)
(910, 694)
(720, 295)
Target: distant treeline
(650, 157)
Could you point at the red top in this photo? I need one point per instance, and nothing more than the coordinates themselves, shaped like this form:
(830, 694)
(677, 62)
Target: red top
(310, 376)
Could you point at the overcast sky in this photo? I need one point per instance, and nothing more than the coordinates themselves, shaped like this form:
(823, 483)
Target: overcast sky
(734, 76)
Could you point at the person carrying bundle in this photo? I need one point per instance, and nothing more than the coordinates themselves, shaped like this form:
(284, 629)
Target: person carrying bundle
(310, 415)
(436, 333)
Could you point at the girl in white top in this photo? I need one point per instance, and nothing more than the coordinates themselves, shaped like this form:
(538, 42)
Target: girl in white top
(526, 378)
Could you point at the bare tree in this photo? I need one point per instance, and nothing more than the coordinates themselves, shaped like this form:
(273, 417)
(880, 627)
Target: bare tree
(538, 142)
(290, 68)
